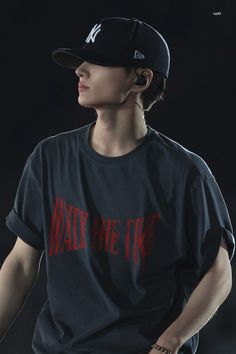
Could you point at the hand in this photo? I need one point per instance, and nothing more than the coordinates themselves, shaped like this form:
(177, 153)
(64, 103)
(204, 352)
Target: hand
(153, 351)
(172, 343)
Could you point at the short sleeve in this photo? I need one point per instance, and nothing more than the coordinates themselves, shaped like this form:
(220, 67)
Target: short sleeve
(207, 222)
(26, 219)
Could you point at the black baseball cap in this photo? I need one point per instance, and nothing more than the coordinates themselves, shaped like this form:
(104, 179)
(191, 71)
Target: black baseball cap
(119, 41)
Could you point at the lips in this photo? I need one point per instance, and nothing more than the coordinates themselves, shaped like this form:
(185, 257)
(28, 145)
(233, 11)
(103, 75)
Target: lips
(82, 87)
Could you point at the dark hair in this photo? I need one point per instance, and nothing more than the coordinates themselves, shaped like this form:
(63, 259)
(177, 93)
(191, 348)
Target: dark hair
(155, 91)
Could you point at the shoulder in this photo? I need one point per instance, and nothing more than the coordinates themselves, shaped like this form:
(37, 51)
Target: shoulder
(56, 143)
(184, 159)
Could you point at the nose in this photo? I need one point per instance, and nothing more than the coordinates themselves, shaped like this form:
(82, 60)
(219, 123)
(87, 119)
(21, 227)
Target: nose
(81, 70)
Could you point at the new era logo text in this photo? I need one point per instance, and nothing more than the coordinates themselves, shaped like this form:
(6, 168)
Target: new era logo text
(138, 55)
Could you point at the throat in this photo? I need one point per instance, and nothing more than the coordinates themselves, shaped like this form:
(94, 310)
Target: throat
(109, 150)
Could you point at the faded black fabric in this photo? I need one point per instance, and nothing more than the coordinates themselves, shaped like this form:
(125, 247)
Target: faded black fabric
(126, 239)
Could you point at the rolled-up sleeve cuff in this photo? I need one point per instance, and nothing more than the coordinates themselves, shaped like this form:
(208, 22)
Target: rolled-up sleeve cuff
(230, 241)
(18, 227)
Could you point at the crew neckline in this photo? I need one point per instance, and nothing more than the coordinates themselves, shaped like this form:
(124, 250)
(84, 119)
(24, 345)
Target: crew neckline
(113, 159)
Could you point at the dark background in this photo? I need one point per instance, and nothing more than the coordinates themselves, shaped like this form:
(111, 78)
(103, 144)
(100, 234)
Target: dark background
(39, 99)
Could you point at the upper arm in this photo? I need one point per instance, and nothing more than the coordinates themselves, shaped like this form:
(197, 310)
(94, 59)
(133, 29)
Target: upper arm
(25, 255)
(223, 255)
(222, 262)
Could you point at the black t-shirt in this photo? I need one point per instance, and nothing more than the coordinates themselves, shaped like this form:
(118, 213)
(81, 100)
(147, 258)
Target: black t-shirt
(126, 239)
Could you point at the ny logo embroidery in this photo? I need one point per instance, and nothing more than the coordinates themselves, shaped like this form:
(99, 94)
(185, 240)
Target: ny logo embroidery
(94, 31)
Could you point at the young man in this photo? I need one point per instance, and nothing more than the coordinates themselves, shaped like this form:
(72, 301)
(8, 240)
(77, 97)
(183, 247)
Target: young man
(135, 231)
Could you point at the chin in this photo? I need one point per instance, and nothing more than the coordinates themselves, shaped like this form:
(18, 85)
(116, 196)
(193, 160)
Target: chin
(84, 102)
(90, 103)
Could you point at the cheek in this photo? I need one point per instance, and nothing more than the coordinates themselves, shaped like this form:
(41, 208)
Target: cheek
(109, 86)
(104, 88)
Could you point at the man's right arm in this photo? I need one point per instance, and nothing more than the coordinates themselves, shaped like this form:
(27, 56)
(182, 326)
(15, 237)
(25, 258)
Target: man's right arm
(17, 276)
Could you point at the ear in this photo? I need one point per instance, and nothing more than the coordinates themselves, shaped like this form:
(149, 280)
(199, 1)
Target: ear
(148, 73)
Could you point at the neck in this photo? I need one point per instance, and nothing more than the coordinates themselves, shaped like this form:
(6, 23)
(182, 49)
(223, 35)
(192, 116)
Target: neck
(117, 132)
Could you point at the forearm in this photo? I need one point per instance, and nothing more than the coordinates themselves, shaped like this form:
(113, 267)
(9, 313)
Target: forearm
(15, 285)
(201, 306)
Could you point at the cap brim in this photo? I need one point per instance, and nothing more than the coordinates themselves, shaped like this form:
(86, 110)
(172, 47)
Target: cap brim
(73, 57)
(68, 57)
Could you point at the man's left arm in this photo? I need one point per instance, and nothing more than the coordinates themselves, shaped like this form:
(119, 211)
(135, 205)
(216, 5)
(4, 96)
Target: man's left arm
(204, 301)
